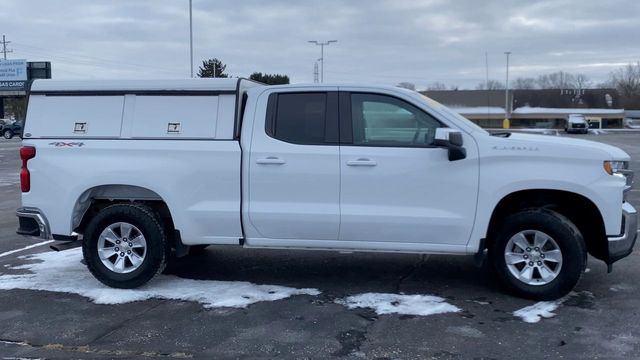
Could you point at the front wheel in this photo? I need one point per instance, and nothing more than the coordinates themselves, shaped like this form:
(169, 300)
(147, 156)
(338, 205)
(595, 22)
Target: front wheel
(7, 134)
(538, 254)
(125, 246)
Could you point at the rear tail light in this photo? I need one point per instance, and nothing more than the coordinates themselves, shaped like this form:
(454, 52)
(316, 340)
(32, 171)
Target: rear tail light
(26, 153)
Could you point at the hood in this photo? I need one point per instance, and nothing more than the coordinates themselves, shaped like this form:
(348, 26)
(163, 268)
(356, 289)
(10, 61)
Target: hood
(610, 152)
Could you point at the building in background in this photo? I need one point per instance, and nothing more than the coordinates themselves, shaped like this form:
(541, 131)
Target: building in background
(632, 119)
(547, 108)
(15, 76)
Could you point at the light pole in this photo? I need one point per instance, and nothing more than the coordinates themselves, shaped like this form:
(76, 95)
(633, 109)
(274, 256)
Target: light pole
(322, 44)
(191, 35)
(507, 112)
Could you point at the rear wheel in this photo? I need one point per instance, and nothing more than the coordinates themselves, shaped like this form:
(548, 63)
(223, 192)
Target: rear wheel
(538, 254)
(7, 134)
(125, 246)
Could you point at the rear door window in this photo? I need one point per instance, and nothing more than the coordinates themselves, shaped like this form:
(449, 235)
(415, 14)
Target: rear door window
(303, 118)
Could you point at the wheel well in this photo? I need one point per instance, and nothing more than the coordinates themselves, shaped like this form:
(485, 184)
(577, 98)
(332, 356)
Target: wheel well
(92, 201)
(581, 211)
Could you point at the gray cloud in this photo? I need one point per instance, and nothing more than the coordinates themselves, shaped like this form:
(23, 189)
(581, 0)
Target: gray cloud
(382, 41)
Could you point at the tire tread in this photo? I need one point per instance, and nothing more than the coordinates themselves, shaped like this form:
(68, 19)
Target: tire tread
(573, 268)
(132, 210)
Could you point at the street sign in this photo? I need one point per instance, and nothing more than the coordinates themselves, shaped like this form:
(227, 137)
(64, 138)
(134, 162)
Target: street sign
(13, 70)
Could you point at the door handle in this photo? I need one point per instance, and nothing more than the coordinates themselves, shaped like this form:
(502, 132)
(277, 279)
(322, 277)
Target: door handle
(270, 160)
(362, 162)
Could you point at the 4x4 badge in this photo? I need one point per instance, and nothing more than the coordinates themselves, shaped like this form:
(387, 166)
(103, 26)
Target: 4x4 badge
(67, 144)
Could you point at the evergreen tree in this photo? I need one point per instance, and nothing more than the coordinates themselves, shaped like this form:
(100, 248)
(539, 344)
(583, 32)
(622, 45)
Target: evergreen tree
(211, 67)
(269, 79)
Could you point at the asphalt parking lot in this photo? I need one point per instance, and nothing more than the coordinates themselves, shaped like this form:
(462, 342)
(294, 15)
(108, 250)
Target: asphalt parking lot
(601, 319)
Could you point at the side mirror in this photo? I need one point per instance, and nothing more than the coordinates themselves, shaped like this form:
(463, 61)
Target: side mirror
(452, 140)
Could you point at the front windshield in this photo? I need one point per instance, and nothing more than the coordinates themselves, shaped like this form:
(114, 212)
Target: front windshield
(452, 114)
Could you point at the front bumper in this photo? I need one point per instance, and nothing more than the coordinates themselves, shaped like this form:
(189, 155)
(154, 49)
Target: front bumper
(621, 246)
(32, 222)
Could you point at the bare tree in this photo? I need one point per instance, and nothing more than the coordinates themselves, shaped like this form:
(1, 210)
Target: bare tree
(407, 85)
(627, 81)
(490, 85)
(436, 86)
(581, 81)
(524, 83)
(556, 80)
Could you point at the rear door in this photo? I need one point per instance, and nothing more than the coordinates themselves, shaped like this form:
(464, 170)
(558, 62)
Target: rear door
(395, 185)
(294, 173)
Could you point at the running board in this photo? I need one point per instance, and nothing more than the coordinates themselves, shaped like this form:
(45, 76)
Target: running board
(65, 245)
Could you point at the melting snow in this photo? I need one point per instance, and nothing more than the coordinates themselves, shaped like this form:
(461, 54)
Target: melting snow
(63, 272)
(620, 287)
(544, 309)
(537, 311)
(399, 304)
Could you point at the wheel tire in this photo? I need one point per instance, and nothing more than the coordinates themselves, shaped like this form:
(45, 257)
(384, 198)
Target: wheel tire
(7, 134)
(565, 236)
(147, 223)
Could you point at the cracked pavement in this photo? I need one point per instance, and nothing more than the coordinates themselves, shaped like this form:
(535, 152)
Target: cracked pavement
(601, 321)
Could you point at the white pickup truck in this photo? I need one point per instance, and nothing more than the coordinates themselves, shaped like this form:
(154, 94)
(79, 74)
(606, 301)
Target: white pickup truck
(144, 170)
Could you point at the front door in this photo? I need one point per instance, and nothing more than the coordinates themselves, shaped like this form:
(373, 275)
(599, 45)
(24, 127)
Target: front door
(395, 185)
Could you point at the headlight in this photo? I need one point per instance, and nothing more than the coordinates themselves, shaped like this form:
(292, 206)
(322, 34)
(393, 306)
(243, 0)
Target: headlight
(613, 167)
(620, 168)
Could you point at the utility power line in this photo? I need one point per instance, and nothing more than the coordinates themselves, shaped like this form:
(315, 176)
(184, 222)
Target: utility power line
(83, 59)
(4, 47)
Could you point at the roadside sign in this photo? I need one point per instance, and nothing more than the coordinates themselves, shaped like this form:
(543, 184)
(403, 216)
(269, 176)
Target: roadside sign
(13, 70)
(12, 85)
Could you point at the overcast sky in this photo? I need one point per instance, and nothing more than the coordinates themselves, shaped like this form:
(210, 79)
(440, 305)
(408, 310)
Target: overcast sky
(419, 41)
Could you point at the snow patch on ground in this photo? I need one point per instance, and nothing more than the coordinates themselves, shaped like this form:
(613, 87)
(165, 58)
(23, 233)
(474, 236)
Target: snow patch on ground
(621, 287)
(399, 304)
(480, 302)
(545, 309)
(597, 131)
(63, 272)
(537, 311)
